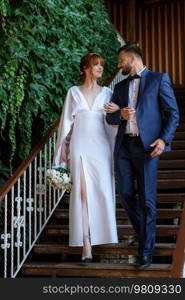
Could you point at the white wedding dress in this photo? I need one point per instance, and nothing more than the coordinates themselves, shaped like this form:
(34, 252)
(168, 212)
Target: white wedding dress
(91, 143)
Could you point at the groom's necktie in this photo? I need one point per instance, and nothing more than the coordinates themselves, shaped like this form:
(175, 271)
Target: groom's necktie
(131, 77)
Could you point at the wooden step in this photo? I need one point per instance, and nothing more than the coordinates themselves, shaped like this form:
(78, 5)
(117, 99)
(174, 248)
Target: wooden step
(170, 197)
(179, 136)
(109, 249)
(178, 144)
(94, 270)
(170, 183)
(161, 198)
(175, 154)
(120, 213)
(181, 127)
(172, 164)
(162, 230)
(168, 174)
(123, 230)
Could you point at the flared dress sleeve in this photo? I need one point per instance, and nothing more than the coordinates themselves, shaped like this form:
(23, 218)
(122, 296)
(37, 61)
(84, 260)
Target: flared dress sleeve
(111, 131)
(64, 130)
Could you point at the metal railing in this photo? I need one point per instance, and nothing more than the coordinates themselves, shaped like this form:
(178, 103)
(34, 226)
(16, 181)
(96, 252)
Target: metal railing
(26, 207)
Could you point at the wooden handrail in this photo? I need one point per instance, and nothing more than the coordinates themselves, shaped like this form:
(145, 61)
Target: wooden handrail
(179, 254)
(24, 165)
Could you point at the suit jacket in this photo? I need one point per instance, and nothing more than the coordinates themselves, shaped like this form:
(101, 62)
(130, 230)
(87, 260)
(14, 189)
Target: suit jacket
(157, 112)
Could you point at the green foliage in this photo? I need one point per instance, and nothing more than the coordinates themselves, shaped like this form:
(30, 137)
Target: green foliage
(41, 43)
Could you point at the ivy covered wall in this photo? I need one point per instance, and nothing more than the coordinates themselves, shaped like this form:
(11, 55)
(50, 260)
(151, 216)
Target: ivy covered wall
(41, 43)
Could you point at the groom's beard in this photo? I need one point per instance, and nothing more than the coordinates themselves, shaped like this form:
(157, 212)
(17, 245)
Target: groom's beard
(126, 70)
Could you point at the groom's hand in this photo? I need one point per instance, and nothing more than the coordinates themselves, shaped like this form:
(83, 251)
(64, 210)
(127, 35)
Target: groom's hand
(159, 145)
(127, 113)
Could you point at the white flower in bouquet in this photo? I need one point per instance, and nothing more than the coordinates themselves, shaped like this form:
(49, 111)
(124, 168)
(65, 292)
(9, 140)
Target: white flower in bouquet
(50, 173)
(66, 178)
(59, 179)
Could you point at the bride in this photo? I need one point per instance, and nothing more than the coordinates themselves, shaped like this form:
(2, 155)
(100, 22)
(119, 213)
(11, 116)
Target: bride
(86, 138)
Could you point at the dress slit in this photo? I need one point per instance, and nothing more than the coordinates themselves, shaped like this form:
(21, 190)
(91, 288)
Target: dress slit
(82, 175)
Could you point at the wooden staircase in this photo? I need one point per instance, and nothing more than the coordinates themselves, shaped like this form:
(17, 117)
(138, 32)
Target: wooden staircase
(52, 256)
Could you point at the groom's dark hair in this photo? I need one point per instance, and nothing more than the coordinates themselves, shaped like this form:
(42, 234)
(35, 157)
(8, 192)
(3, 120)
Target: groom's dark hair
(131, 48)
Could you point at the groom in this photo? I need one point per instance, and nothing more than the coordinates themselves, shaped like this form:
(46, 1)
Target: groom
(147, 119)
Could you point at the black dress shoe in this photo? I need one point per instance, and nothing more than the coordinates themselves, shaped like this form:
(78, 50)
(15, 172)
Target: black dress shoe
(143, 262)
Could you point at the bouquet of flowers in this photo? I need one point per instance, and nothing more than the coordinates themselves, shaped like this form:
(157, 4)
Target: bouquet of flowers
(59, 179)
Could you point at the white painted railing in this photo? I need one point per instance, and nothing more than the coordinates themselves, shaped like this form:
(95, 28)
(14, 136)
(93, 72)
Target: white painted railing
(116, 79)
(25, 210)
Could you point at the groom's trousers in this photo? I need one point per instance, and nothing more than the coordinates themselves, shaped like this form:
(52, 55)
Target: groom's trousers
(134, 162)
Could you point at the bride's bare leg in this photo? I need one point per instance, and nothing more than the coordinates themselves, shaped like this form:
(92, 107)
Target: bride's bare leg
(85, 219)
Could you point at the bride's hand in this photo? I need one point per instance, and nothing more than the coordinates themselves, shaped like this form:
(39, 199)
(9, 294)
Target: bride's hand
(111, 107)
(64, 153)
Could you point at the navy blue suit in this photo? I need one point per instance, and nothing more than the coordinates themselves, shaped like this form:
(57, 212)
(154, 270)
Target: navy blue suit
(157, 116)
